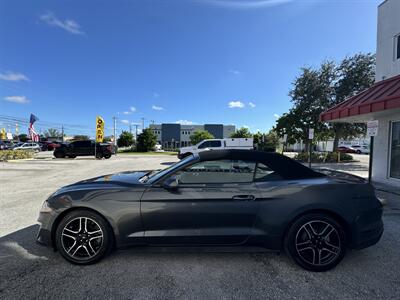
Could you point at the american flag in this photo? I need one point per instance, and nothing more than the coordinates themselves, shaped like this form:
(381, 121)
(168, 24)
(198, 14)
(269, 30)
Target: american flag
(32, 133)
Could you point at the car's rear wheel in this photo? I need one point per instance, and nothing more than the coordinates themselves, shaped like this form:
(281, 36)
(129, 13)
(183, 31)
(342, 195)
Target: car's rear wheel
(71, 156)
(83, 237)
(316, 242)
(107, 156)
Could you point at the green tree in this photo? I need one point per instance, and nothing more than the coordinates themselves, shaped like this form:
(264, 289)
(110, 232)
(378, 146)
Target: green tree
(316, 90)
(242, 133)
(125, 139)
(356, 74)
(146, 141)
(200, 135)
(266, 141)
(81, 137)
(23, 137)
(52, 132)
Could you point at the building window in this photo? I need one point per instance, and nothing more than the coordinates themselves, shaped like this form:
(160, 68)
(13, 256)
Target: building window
(395, 151)
(397, 47)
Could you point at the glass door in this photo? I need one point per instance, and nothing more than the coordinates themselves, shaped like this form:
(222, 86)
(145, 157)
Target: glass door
(394, 158)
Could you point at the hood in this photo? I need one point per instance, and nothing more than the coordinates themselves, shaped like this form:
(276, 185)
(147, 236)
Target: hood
(130, 177)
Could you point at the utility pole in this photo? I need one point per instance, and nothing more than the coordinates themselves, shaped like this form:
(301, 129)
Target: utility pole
(130, 128)
(62, 133)
(115, 130)
(136, 127)
(142, 123)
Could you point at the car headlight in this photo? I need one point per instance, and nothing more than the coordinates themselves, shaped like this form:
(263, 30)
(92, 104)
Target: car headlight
(45, 207)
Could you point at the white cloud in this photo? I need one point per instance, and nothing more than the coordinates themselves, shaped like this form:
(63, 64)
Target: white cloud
(156, 95)
(185, 122)
(132, 109)
(126, 122)
(17, 99)
(242, 4)
(235, 72)
(12, 76)
(246, 126)
(252, 105)
(236, 104)
(69, 25)
(126, 112)
(155, 107)
(277, 116)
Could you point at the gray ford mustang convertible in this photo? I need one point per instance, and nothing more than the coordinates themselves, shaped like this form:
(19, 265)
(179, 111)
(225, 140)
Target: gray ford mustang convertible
(216, 198)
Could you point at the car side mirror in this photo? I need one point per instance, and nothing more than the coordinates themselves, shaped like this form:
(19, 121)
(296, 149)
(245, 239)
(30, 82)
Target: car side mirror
(171, 183)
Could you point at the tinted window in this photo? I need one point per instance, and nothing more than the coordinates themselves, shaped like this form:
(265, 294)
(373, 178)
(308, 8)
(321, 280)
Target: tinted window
(398, 47)
(204, 145)
(215, 144)
(218, 171)
(265, 173)
(82, 144)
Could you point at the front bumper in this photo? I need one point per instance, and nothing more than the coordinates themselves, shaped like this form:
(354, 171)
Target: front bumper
(367, 229)
(44, 236)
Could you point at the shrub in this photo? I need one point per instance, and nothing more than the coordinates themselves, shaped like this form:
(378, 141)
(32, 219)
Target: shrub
(328, 157)
(15, 154)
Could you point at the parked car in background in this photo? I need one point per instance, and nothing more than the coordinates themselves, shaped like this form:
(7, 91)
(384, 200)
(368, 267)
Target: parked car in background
(85, 148)
(5, 145)
(346, 149)
(364, 149)
(217, 144)
(52, 145)
(28, 146)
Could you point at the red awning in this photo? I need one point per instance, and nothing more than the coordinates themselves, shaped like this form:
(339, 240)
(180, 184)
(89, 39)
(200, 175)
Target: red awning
(383, 95)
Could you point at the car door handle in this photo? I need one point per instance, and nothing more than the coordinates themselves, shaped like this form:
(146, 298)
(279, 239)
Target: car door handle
(243, 198)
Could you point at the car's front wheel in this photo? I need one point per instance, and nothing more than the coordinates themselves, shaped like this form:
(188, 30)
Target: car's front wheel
(316, 242)
(59, 154)
(83, 237)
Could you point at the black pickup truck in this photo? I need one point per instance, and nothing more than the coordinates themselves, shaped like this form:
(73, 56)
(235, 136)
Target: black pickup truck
(85, 148)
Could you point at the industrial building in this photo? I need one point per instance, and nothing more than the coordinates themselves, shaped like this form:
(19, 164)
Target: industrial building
(173, 135)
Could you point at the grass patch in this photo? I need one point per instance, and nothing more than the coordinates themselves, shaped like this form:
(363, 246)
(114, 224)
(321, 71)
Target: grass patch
(328, 157)
(15, 154)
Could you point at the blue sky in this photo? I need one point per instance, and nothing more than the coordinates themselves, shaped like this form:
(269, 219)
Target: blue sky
(200, 61)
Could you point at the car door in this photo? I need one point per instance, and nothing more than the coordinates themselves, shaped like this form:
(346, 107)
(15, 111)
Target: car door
(214, 203)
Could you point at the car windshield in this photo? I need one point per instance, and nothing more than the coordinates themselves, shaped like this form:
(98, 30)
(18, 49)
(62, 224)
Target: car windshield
(155, 175)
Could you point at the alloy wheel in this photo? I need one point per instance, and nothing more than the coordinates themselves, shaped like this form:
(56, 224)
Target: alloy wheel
(82, 238)
(318, 243)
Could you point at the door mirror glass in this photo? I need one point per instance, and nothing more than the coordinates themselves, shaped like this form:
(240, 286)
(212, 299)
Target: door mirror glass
(171, 183)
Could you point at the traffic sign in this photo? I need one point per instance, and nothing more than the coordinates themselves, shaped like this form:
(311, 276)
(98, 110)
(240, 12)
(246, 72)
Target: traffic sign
(311, 133)
(372, 128)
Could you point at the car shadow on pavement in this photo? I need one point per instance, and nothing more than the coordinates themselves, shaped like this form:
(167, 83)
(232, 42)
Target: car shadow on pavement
(31, 271)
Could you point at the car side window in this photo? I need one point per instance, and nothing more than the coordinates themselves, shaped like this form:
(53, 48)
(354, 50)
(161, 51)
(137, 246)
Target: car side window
(215, 144)
(204, 145)
(217, 171)
(265, 173)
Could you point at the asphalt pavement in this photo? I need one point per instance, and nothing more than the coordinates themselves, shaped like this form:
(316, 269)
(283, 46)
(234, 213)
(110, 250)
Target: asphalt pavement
(31, 271)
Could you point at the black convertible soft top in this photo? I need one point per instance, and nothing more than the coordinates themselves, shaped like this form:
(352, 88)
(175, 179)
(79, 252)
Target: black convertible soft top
(283, 165)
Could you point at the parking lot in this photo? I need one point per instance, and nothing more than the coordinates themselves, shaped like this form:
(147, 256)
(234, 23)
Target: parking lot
(31, 271)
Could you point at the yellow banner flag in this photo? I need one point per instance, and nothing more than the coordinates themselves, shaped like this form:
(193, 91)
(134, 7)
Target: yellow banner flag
(99, 129)
(3, 134)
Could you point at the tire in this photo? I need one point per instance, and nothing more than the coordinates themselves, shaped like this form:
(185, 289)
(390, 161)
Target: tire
(107, 156)
(99, 156)
(71, 156)
(59, 154)
(318, 248)
(83, 247)
(358, 152)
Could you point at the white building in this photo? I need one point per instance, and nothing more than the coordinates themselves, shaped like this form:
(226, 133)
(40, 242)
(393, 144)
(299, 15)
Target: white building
(382, 101)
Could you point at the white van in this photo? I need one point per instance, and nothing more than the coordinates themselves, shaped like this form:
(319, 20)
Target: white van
(217, 144)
